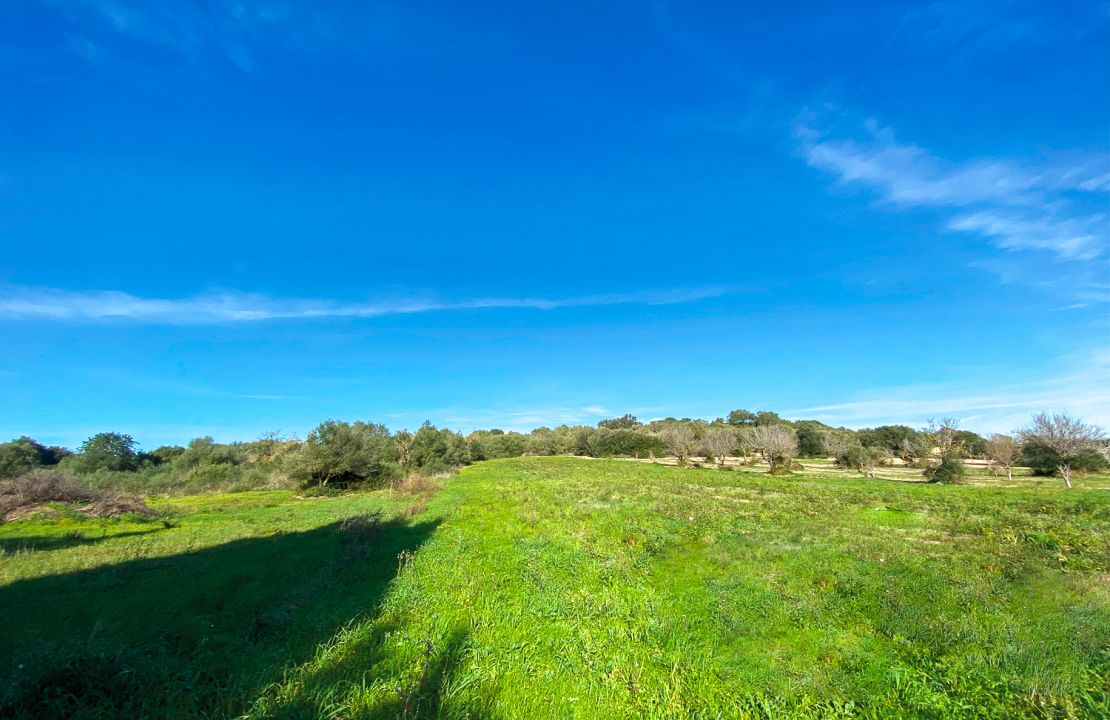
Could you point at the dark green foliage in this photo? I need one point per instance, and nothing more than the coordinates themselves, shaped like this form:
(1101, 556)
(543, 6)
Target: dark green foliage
(863, 459)
(51, 455)
(811, 439)
(747, 418)
(624, 422)
(107, 451)
(25, 454)
(496, 443)
(544, 441)
(764, 418)
(163, 455)
(741, 418)
(1045, 461)
(949, 470)
(434, 450)
(973, 444)
(205, 451)
(18, 457)
(890, 437)
(345, 454)
(625, 443)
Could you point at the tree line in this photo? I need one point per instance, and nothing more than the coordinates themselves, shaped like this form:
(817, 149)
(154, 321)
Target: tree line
(342, 454)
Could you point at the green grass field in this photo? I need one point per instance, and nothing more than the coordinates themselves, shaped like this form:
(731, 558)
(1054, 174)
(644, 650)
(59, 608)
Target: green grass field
(561, 587)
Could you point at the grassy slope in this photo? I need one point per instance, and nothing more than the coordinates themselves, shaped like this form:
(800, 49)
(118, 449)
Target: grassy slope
(139, 619)
(564, 587)
(561, 587)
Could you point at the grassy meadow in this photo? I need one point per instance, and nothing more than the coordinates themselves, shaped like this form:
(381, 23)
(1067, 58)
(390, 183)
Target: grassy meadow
(566, 587)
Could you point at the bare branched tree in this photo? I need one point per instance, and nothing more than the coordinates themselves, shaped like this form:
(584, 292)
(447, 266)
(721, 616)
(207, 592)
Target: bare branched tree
(943, 433)
(776, 444)
(1002, 452)
(837, 441)
(1064, 435)
(745, 444)
(720, 443)
(679, 439)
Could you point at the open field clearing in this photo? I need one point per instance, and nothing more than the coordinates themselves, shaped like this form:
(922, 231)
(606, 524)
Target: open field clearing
(563, 587)
(978, 472)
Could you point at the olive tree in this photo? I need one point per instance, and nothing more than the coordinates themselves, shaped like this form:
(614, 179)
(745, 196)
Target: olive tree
(863, 459)
(339, 453)
(776, 444)
(1066, 437)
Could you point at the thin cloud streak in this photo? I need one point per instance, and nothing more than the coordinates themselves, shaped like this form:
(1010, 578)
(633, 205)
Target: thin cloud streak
(1085, 392)
(23, 303)
(523, 419)
(1016, 207)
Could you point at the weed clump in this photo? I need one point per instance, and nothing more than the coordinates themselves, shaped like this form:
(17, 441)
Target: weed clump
(420, 486)
(36, 490)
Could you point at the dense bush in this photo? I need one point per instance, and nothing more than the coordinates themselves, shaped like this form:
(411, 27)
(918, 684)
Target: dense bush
(434, 450)
(492, 444)
(24, 454)
(339, 454)
(106, 451)
(1045, 461)
(891, 437)
(950, 469)
(624, 422)
(973, 444)
(811, 439)
(345, 454)
(624, 442)
(862, 459)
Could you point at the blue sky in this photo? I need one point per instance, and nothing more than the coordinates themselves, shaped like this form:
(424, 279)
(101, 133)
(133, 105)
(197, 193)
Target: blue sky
(231, 218)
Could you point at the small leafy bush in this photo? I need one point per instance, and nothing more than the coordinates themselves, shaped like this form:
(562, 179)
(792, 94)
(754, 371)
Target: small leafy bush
(949, 470)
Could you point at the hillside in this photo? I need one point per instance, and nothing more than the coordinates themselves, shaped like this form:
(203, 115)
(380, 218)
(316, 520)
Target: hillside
(563, 587)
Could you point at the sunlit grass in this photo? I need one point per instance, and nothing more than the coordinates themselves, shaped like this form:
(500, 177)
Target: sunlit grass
(559, 587)
(611, 589)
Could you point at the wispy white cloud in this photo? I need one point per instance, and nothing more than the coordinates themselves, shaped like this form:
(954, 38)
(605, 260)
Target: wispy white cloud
(24, 303)
(1084, 391)
(522, 419)
(233, 30)
(188, 29)
(1016, 206)
(964, 27)
(1074, 238)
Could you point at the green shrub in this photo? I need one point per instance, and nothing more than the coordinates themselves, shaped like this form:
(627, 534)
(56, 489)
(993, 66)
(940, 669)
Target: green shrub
(1045, 461)
(345, 454)
(862, 459)
(949, 470)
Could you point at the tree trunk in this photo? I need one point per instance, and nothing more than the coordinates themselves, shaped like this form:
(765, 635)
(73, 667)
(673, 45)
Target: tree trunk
(1065, 470)
(1010, 474)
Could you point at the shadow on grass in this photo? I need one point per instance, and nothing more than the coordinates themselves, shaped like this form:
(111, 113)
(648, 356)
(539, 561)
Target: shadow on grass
(28, 543)
(193, 634)
(420, 687)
